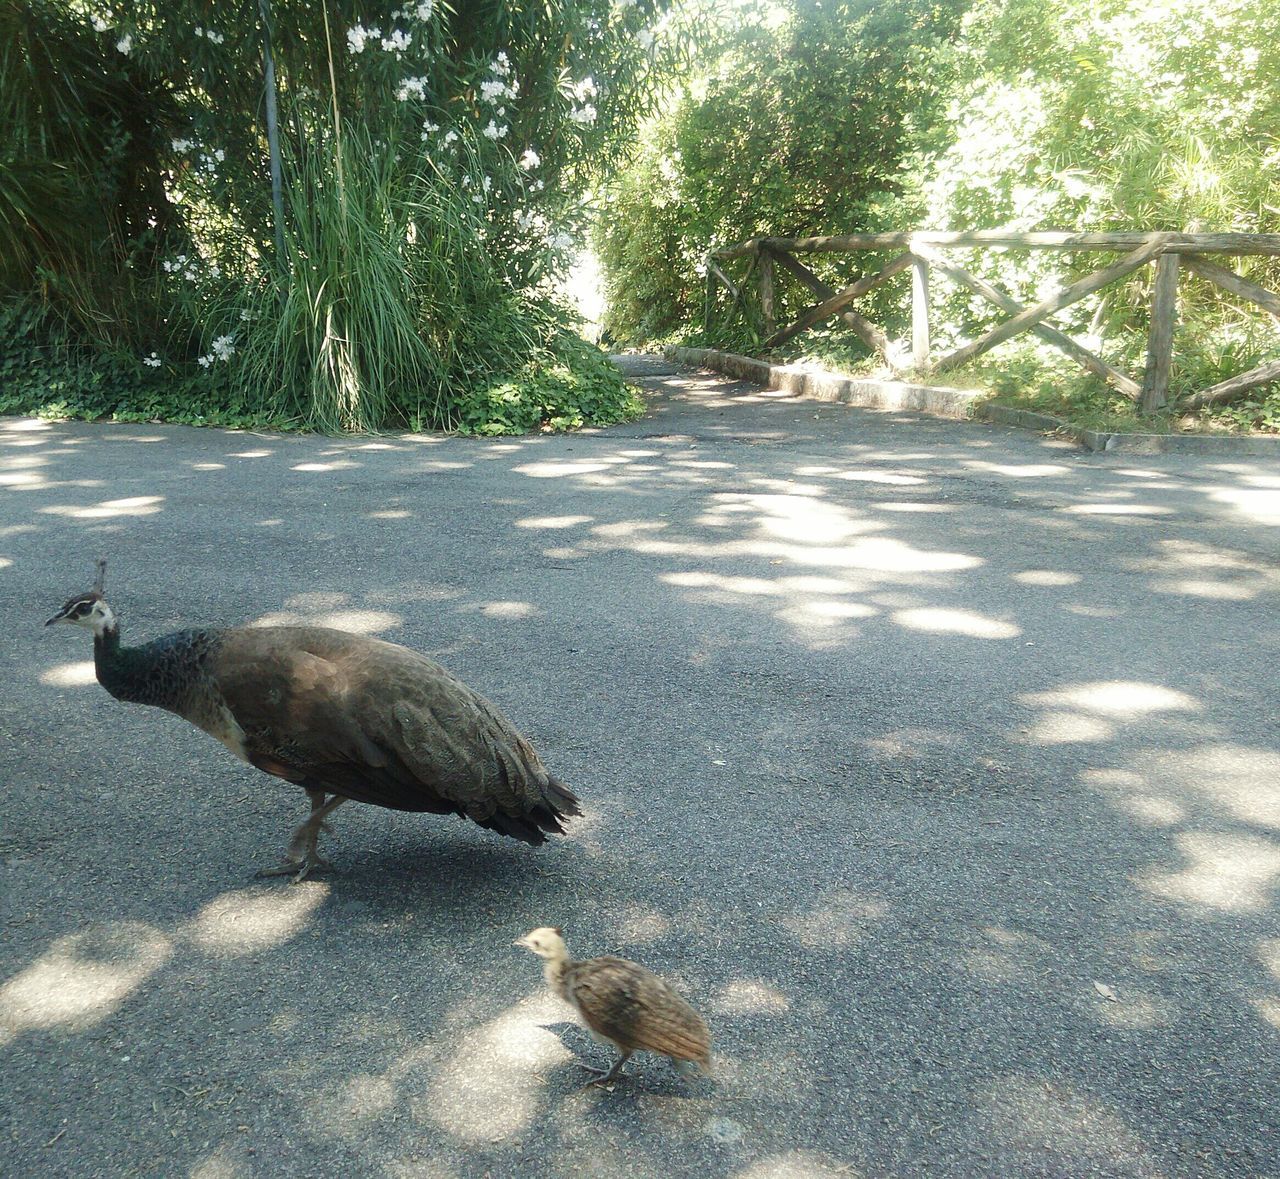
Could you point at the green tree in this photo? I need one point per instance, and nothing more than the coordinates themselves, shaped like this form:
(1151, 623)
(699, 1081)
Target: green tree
(801, 124)
(1121, 116)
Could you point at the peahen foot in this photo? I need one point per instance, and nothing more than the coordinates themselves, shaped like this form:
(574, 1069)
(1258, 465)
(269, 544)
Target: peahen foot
(299, 869)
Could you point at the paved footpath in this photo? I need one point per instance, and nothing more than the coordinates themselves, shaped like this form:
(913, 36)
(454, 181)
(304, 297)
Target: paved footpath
(936, 762)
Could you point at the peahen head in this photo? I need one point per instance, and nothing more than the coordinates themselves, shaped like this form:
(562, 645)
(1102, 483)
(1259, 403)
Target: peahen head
(89, 610)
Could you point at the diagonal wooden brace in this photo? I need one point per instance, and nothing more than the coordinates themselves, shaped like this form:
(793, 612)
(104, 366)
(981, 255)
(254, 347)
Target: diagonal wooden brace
(1236, 386)
(1154, 245)
(1228, 280)
(1050, 335)
(836, 302)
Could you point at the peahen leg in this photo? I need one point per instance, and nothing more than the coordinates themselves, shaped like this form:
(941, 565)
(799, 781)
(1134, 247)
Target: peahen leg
(603, 1078)
(302, 857)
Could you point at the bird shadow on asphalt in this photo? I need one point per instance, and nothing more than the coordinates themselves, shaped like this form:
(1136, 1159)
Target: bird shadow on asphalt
(644, 1076)
(445, 874)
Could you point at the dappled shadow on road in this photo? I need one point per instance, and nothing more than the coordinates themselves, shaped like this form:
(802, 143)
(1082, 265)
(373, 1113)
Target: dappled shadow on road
(933, 765)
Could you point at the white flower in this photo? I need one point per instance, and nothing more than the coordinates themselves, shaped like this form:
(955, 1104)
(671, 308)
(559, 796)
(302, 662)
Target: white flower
(559, 241)
(583, 115)
(214, 37)
(493, 131)
(100, 23)
(224, 347)
(536, 186)
(204, 361)
(530, 159)
(245, 313)
(585, 89)
(501, 64)
(219, 155)
(358, 36)
(645, 38)
(397, 43)
(152, 361)
(450, 136)
(125, 44)
(182, 145)
(424, 9)
(411, 88)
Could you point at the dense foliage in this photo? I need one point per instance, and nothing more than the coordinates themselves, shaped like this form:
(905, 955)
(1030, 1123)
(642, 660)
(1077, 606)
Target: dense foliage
(800, 124)
(434, 161)
(1028, 114)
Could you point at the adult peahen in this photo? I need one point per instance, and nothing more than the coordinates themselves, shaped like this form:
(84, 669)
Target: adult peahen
(342, 715)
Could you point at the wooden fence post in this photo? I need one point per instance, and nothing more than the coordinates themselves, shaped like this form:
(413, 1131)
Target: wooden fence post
(766, 293)
(1164, 315)
(919, 313)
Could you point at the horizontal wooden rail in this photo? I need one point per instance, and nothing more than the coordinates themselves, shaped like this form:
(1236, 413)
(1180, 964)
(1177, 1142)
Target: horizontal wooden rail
(1179, 243)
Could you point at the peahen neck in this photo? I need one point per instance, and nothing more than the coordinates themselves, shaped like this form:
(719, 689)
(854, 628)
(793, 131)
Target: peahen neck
(158, 673)
(117, 668)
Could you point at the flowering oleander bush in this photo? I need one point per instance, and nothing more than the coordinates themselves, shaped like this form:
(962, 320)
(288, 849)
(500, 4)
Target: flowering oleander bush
(434, 163)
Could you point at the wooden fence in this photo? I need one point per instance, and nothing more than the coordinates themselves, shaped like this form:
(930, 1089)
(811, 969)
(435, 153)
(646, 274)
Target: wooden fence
(921, 253)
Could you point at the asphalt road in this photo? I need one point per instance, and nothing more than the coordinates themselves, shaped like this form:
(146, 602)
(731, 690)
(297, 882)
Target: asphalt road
(936, 762)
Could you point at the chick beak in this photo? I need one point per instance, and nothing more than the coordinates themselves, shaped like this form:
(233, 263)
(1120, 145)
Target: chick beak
(59, 617)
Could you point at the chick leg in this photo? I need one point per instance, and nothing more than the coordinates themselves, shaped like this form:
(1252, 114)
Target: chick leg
(605, 1077)
(302, 856)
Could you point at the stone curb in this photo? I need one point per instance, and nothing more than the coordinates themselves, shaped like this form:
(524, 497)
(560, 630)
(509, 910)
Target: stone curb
(958, 403)
(815, 385)
(1043, 423)
(1263, 445)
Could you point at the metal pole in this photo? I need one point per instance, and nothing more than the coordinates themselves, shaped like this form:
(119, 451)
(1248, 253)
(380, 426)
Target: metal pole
(273, 128)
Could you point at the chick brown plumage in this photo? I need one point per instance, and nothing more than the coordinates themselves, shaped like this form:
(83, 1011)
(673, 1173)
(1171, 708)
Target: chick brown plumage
(622, 1002)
